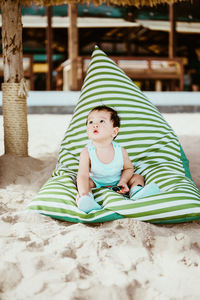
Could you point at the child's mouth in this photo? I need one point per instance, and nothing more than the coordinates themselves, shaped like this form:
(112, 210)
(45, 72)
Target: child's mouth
(95, 131)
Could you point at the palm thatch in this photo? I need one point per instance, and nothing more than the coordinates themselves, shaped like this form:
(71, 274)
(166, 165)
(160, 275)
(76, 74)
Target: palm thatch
(137, 3)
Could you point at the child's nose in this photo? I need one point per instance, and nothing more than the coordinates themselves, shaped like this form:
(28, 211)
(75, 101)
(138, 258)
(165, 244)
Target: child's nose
(95, 125)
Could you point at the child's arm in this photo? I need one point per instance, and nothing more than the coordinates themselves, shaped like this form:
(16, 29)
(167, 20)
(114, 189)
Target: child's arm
(127, 172)
(83, 173)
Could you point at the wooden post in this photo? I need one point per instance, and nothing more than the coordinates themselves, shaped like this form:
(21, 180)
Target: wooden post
(172, 32)
(49, 51)
(172, 38)
(73, 46)
(14, 87)
(128, 41)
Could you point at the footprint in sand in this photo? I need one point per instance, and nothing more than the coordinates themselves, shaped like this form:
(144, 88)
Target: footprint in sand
(68, 252)
(3, 208)
(24, 238)
(10, 276)
(83, 271)
(10, 218)
(80, 272)
(34, 245)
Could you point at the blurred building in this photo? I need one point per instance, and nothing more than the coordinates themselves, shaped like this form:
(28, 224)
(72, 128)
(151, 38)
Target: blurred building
(119, 31)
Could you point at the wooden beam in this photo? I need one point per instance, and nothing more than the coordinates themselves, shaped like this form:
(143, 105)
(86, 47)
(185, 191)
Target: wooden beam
(172, 32)
(128, 41)
(49, 51)
(73, 46)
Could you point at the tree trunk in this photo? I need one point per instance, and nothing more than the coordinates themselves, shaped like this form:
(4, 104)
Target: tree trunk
(14, 91)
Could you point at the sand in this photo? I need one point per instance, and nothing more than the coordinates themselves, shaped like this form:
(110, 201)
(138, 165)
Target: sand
(42, 258)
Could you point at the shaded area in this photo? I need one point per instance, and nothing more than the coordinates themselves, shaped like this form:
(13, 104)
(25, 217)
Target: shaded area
(134, 41)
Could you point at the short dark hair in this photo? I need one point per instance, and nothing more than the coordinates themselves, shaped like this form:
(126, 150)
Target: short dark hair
(113, 114)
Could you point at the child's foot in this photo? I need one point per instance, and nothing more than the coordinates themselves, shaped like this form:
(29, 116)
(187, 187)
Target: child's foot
(87, 203)
(148, 190)
(134, 190)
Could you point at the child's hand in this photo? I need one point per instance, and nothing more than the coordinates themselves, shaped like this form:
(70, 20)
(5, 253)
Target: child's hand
(124, 188)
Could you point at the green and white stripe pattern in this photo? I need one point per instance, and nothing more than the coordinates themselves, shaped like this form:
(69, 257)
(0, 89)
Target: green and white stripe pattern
(152, 146)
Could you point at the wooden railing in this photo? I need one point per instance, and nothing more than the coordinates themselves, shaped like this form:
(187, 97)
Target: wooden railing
(137, 68)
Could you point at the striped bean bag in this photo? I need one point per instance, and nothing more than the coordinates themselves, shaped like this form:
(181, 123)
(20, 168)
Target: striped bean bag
(152, 146)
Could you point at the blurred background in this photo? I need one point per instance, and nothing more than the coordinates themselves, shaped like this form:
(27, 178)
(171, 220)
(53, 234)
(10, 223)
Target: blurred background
(138, 40)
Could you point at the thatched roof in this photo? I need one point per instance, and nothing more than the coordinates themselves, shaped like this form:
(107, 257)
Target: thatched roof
(137, 3)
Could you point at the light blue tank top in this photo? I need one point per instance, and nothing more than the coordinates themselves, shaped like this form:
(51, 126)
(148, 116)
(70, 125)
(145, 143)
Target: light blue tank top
(105, 174)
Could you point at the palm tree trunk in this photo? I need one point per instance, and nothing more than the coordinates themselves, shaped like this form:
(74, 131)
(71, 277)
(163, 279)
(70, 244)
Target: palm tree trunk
(14, 91)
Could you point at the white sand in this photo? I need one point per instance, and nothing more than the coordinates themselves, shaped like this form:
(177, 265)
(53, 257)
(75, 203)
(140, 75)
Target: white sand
(42, 258)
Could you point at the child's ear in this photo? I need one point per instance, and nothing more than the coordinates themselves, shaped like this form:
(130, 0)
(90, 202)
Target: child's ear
(115, 131)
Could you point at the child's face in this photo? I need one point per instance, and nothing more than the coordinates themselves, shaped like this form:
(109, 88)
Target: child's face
(100, 126)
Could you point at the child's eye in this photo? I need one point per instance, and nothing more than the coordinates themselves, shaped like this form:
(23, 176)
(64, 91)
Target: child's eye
(102, 121)
(90, 122)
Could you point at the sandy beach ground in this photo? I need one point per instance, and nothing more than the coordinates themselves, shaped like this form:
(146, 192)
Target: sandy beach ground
(42, 258)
